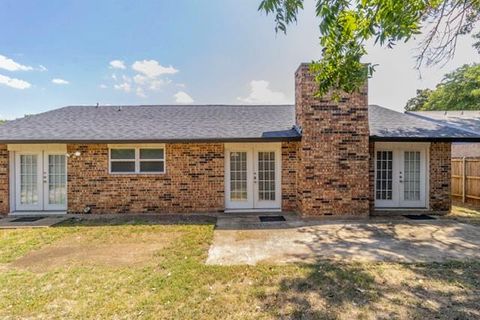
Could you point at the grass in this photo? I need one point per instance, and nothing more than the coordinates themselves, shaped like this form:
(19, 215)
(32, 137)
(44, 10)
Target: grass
(469, 215)
(173, 282)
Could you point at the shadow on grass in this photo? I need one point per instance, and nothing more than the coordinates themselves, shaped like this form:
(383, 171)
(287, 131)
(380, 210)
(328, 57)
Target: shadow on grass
(351, 291)
(430, 290)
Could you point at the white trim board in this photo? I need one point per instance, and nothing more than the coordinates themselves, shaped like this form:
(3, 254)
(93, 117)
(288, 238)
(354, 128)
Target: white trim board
(50, 147)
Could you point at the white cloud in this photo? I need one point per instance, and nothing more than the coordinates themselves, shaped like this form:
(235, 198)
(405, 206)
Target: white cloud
(140, 92)
(14, 83)
(260, 93)
(149, 83)
(182, 97)
(59, 81)
(103, 86)
(152, 69)
(126, 87)
(117, 64)
(148, 75)
(10, 65)
(42, 68)
(139, 79)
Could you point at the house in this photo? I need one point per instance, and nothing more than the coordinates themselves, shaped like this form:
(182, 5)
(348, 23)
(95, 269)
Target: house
(321, 156)
(465, 120)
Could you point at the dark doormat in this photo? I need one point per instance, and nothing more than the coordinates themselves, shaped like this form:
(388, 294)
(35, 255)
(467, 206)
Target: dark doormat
(27, 219)
(271, 218)
(419, 217)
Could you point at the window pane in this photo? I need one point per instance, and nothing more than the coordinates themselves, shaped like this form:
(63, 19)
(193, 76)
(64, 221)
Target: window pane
(151, 153)
(123, 166)
(123, 154)
(266, 175)
(151, 166)
(238, 176)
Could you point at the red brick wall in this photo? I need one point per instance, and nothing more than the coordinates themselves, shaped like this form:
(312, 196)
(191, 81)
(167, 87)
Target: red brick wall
(289, 175)
(193, 182)
(4, 177)
(333, 175)
(440, 176)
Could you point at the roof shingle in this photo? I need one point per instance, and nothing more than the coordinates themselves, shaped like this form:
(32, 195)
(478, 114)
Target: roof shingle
(169, 123)
(388, 124)
(154, 123)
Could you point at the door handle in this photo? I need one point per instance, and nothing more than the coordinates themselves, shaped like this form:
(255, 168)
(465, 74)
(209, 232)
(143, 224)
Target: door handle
(254, 177)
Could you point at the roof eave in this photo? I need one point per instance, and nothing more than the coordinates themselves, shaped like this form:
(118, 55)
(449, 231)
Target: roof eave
(133, 141)
(425, 139)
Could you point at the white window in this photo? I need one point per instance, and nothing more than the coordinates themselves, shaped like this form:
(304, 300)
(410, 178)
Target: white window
(137, 160)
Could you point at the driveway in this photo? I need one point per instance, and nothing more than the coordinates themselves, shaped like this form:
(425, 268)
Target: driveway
(243, 240)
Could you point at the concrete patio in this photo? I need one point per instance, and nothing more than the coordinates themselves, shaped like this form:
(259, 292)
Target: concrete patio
(244, 240)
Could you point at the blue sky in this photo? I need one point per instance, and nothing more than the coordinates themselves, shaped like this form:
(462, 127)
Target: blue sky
(56, 53)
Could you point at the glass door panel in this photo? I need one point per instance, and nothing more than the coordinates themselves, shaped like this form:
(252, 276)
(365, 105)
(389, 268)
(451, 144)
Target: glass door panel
(412, 178)
(28, 182)
(411, 181)
(266, 178)
(56, 182)
(238, 176)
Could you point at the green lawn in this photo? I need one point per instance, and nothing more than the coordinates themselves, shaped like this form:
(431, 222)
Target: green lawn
(138, 270)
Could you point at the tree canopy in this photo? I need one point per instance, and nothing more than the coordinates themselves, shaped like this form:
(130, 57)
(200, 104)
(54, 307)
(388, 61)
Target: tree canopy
(346, 26)
(459, 90)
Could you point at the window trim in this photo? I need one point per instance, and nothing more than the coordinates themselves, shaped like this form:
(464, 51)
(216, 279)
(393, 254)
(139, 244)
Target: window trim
(137, 159)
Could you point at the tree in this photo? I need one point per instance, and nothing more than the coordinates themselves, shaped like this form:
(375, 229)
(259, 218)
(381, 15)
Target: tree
(459, 90)
(417, 103)
(346, 25)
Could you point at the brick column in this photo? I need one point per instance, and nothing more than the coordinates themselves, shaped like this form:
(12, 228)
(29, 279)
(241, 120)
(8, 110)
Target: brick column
(4, 180)
(440, 176)
(333, 173)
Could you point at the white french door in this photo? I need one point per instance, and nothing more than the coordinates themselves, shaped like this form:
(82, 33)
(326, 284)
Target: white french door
(40, 181)
(400, 176)
(252, 176)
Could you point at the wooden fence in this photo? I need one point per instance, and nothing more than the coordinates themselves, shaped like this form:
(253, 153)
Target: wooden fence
(466, 179)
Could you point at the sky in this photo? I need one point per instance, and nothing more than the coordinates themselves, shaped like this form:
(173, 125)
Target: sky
(56, 53)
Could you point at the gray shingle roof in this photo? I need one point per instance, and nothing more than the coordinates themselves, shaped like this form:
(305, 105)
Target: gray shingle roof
(154, 123)
(387, 124)
(202, 123)
(465, 120)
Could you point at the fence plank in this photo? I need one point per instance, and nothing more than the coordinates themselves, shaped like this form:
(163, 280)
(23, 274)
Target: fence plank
(466, 179)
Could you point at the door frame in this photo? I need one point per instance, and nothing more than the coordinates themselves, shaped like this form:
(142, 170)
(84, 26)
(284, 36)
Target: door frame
(401, 147)
(253, 205)
(13, 150)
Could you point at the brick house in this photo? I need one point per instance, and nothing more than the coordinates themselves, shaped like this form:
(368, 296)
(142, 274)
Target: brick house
(321, 156)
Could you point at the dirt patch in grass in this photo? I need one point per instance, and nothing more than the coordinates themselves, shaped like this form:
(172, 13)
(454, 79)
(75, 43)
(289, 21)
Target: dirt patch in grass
(81, 250)
(465, 214)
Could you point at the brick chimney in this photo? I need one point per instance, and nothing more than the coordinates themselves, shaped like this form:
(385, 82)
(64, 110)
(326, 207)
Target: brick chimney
(333, 175)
